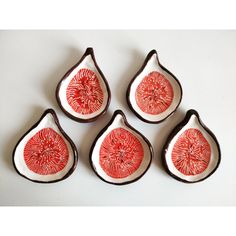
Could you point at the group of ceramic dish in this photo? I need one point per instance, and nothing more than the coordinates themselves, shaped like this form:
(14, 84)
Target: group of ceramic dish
(120, 154)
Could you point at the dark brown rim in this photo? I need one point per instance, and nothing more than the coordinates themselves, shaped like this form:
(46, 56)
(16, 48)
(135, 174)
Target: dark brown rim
(135, 76)
(174, 132)
(131, 127)
(89, 51)
(51, 111)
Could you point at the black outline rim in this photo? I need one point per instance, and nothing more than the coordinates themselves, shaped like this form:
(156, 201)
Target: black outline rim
(89, 51)
(75, 152)
(135, 76)
(120, 112)
(172, 135)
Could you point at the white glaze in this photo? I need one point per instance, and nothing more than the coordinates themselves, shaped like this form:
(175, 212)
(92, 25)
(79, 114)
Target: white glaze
(214, 158)
(153, 65)
(46, 122)
(118, 122)
(87, 63)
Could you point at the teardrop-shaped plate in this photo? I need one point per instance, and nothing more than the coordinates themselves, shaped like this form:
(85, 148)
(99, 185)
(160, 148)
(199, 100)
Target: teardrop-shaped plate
(192, 152)
(154, 93)
(45, 154)
(120, 154)
(83, 93)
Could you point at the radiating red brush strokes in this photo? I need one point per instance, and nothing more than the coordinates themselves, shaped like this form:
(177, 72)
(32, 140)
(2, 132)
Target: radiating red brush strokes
(84, 93)
(121, 153)
(154, 94)
(46, 152)
(191, 152)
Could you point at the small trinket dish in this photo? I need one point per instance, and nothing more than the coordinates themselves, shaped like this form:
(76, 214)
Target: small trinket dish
(154, 93)
(120, 154)
(45, 153)
(83, 93)
(191, 152)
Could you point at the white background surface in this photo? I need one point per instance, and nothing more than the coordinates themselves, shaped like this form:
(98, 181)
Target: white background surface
(33, 62)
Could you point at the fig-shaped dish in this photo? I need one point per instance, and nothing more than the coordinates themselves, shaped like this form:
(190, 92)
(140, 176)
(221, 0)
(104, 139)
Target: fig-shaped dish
(45, 153)
(83, 93)
(120, 154)
(191, 152)
(154, 93)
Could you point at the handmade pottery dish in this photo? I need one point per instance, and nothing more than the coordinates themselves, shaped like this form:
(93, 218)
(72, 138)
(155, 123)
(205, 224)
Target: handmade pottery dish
(83, 93)
(45, 153)
(191, 152)
(154, 93)
(120, 154)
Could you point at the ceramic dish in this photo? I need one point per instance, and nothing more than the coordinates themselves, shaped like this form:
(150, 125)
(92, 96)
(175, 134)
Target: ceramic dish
(192, 152)
(83, 93)
(120, 154)
(45, 153)
(154, 93)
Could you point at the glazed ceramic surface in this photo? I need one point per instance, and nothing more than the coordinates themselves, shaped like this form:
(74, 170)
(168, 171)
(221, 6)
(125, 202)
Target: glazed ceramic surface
(83, 93)
(192, 152)
(120, 154)
(154, 93)
(45, 153)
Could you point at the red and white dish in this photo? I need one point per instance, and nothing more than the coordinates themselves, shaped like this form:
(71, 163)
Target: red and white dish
(192, 152)
(120, 154)
(45, 153)
(154, 93)
(83, 93)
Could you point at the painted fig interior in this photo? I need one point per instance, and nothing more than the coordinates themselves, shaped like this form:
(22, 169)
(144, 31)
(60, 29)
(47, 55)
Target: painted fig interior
(83, 93)
(120, 154)
(192, 152)
(154, 93)
(45, 153)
